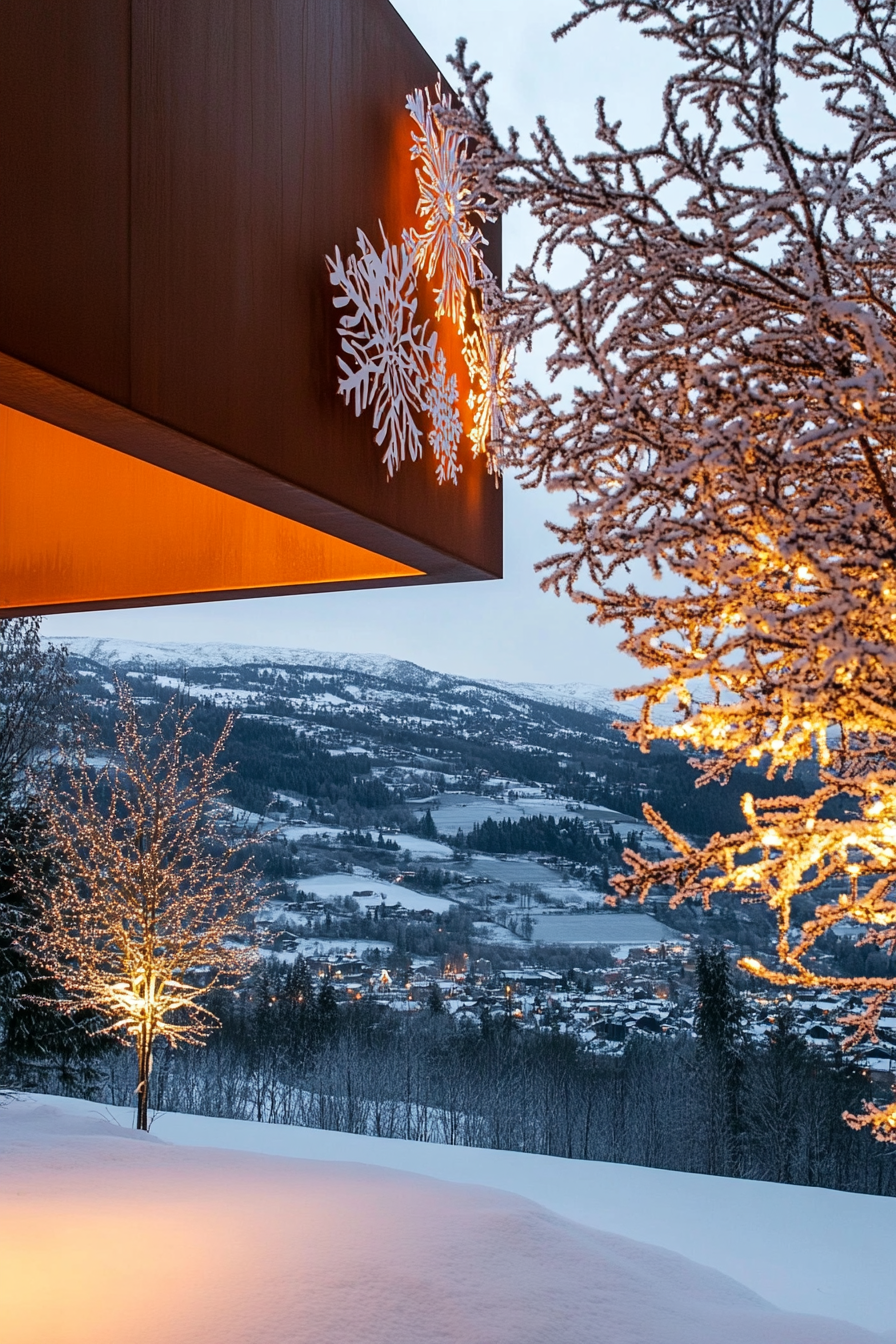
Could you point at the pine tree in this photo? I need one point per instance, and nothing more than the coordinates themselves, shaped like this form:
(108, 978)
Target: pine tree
(777, 1093)
(327, 1004)
(36, 705)
(719, 1017)
(719, 1026)
(427, 828)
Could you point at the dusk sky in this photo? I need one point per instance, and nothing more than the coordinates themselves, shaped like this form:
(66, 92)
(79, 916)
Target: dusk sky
(507, 629)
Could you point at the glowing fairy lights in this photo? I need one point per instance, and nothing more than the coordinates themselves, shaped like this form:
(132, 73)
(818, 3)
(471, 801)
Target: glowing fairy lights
(145, 907)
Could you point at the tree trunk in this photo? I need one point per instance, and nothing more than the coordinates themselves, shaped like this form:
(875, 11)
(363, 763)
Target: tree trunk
(144, 1069)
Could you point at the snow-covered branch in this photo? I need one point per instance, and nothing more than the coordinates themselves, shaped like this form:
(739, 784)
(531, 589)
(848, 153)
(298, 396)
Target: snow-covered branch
(721, 401)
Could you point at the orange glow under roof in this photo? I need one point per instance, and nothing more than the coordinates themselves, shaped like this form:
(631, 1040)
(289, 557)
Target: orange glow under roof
(85, 525)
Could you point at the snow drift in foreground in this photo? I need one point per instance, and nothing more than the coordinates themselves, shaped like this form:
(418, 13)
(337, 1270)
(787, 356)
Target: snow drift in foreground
(106, 1234)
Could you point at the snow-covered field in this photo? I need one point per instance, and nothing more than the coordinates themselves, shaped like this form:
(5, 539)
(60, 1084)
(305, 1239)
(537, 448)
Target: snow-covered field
(463, 811)
(612, 928)
(454, 811)
(233, 1232)
(414, 844)
(331, 885)
(418, 848)
(329, 948)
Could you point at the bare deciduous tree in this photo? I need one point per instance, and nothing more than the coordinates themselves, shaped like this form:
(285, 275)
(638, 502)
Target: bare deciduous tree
(725, 407)
(143, 909)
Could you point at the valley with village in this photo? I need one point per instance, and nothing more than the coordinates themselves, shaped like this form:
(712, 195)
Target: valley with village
(435, 843)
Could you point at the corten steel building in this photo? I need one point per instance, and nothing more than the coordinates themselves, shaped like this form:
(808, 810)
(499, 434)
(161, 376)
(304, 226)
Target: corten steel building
(173, 176)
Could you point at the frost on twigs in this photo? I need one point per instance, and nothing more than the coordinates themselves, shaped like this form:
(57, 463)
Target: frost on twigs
(387, 353)
(724, 406)
(448, 247)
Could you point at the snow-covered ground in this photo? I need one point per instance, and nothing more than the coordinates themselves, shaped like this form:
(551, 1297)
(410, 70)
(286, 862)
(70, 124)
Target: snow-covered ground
(418, 848)
(414, 844)
(463, 811)
(331, 885)
(581, 695)
(622, 929)
(455, 810)
(329, 948)
(224, 1231)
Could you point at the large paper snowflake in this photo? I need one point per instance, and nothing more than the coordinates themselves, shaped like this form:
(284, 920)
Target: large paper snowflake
(388, 352)
(491, 370)
(446, 431)
(449, 241)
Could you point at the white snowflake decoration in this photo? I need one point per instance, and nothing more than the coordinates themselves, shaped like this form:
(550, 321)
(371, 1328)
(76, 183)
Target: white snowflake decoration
(389, 354)
(449, 242)
(491, 370)
(446, 431)
(390, 361)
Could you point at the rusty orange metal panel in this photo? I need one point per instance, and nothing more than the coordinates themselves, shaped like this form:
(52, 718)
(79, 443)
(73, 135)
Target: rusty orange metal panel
(175, 173)
(83, 524)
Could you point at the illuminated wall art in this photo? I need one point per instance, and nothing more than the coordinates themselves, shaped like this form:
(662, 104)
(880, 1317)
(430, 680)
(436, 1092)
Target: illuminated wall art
(447, 428)
(392, 362)
(449, 246)
(388, 353)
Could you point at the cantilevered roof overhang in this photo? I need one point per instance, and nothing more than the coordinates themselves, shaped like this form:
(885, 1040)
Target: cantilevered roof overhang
(173, 175)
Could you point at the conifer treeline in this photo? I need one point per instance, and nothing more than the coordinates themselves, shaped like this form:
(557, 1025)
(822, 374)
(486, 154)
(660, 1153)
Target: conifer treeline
(566, 837)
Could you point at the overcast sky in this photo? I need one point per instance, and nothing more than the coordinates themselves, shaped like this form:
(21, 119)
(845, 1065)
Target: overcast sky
(506, 629)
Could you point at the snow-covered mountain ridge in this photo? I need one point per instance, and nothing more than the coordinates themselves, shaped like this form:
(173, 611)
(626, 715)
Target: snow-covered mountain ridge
(583, 696)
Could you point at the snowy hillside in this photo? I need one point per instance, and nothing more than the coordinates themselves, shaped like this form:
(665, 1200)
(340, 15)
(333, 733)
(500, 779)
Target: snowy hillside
(132, 653)
(581, 695)
(106, 1234)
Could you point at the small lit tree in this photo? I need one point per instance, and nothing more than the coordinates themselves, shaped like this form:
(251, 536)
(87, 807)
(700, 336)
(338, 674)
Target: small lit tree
(725, 408)
(144, 907)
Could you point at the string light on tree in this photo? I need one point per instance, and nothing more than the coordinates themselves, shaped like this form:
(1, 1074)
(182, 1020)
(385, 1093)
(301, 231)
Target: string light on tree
(142, 909)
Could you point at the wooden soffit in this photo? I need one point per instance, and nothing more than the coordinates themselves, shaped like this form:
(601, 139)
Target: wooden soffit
(176, 173)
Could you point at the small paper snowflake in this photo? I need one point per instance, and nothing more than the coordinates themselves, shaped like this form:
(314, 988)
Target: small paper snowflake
(491, 369)
(449, 242)
(446, 431)
(389, 354)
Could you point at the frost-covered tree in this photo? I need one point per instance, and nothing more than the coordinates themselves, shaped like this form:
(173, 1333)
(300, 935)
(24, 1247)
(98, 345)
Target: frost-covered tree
(141, 910)
(724, 405)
